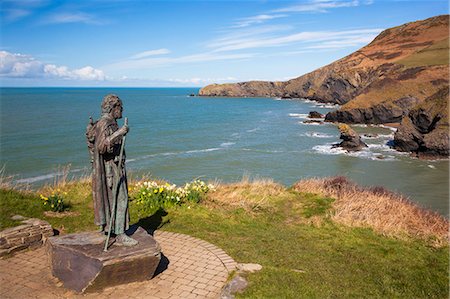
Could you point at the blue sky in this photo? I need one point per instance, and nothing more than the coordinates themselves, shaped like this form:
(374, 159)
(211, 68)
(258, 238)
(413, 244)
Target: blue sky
(186, 43)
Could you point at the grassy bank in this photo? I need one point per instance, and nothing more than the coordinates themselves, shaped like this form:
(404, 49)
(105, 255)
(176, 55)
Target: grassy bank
(297, 234)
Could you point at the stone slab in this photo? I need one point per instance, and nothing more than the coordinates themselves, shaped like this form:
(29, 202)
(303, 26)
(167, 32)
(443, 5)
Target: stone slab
(79, 262)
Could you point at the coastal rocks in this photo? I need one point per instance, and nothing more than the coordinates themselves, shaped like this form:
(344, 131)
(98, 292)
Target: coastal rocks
(351, 141)
(386, 112)
(315, 114)
(425, 131)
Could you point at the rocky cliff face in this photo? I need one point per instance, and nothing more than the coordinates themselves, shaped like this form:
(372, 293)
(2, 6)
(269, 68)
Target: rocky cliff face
(425, 131)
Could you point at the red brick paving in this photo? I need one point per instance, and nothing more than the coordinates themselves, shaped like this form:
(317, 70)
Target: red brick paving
(196, 269)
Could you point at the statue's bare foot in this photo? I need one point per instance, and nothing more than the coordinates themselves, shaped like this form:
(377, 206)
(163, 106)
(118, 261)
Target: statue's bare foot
(124, 240)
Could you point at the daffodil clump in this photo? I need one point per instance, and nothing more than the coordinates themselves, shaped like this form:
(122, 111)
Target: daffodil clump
(55, 201)
(151, 195)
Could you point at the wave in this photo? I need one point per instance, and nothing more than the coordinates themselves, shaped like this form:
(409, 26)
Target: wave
(299, 115)
(329, 149)
(388, 127)
(253, 130)
(310, 123)
(227, 144)
(46, 176)
(317, 135)
(378, 136)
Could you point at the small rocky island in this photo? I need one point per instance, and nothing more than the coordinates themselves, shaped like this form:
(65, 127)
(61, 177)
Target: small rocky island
(351, 141)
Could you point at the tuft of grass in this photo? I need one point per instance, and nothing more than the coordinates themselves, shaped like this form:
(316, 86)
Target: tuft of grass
(384, 211)
(315, 205)
(249, 194)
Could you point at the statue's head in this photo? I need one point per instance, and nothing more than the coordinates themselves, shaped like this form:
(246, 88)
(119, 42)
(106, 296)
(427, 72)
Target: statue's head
(112, 105)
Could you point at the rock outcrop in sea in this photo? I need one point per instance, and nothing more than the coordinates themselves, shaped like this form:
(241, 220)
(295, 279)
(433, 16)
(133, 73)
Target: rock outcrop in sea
(351, 141)
(380, 83)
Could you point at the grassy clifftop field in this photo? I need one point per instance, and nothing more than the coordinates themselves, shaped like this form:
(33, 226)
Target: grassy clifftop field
(319, 238)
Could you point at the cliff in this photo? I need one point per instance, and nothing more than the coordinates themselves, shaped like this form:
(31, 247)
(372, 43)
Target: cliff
(425, 131)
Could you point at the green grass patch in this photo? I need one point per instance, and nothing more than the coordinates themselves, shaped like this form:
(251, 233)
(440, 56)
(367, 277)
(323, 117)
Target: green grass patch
(436, 54)
(299, 260)
(315, 205)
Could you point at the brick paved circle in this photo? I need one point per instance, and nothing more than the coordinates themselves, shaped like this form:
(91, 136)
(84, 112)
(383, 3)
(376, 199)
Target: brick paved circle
(193, 268)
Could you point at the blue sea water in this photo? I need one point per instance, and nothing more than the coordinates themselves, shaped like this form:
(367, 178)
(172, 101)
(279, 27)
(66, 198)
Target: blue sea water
(177, 138)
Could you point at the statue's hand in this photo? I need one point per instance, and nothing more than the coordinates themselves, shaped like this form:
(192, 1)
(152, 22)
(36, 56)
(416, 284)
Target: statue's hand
(124, 130)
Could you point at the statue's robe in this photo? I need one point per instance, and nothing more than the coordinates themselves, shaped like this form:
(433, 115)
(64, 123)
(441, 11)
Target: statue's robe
(109, 180)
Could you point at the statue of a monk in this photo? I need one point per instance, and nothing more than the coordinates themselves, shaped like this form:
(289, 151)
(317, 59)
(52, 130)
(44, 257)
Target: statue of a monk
(109, 178)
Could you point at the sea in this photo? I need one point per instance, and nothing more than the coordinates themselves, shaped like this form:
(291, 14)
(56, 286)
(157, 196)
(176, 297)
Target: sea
(177, 137)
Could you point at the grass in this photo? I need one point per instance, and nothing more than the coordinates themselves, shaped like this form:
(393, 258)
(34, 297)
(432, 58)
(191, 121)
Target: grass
(436, 54)
(292, 232)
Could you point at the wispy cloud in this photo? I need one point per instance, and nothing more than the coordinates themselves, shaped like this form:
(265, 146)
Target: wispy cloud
(256, 20)
(72, 17)
(15, 10)
(318, 6)
(147, 63)
(14, 65)
(305, 37)
(150, 53)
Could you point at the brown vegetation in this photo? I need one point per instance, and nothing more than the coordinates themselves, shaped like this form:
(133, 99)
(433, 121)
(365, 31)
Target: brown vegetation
(382, 210)
(249, 194)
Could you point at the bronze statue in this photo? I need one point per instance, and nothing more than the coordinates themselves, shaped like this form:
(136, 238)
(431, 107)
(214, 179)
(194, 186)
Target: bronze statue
(109, 179)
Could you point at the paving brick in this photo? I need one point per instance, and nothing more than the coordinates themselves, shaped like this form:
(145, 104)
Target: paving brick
(197, 269)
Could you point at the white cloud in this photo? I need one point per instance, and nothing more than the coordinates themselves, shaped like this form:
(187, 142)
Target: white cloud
(256, 20)
(305, 37)
(320, 6)
(71, 17)
(147, 63)
(15, 10)
(150, 53)
(25, 66)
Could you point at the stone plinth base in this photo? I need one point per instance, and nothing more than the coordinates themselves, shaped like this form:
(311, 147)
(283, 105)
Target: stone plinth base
(79, 262)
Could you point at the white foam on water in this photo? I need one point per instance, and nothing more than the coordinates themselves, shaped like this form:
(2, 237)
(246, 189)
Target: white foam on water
(317, 135)
(310, 124)
(45, 177)
(253, 130)
(328, 149)
(227, 144)
(378, 136)
(387, 127)
(298, 115)
(37, 178)
(431, 166)
(206, 150)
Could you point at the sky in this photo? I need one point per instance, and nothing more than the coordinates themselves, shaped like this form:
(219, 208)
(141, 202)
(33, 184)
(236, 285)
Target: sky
(131, 43)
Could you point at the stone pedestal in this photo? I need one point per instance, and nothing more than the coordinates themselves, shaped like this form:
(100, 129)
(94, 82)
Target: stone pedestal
(79, 262)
